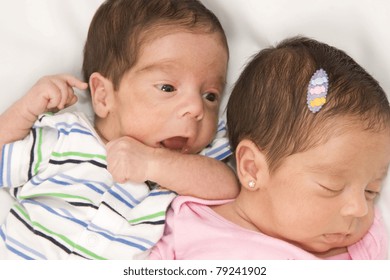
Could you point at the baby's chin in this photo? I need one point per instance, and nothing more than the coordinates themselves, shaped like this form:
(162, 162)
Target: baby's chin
(330, 252)
(331, 245)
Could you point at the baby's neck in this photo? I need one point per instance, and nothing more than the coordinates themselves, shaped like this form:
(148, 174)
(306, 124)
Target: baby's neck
(232, 212)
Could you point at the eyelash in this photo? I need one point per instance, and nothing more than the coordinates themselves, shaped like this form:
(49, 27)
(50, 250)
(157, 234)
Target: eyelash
(163, 87)
(370, 195)
(214, 95)
(331, 190)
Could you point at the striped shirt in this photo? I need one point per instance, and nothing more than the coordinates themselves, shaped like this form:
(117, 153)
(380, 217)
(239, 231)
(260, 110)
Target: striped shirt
(66, 204)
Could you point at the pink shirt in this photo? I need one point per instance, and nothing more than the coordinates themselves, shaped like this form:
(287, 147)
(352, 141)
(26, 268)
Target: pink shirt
(194, 231)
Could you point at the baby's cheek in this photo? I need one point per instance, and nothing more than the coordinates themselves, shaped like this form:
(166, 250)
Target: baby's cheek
(364, 224)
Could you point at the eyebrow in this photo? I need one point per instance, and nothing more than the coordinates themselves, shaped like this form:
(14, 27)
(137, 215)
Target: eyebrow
(384, 173)
(166, 66)
(159, 66)
(338, 172)
(322, 168)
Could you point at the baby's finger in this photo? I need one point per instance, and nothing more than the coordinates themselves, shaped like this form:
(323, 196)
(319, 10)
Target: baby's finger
(65, 93)
(54, 98)
(70, 98)
(74, 82)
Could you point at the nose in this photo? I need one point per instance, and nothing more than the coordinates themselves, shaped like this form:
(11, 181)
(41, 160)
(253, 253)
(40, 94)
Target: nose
(355, 206)
(192, 106)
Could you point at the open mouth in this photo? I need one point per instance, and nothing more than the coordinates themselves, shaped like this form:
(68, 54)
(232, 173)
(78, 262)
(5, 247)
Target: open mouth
(177, 143)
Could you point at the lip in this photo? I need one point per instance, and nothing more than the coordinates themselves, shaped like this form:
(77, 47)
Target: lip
(177, 143)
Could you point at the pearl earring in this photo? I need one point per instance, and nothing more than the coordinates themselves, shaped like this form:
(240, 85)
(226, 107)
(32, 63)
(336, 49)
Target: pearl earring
(251, 184)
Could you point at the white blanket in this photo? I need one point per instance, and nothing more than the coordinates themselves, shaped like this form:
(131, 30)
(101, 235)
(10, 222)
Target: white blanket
(43, 37)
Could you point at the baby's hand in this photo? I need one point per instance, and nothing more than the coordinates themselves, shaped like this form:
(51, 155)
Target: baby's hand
(128, 160)
(52, 93)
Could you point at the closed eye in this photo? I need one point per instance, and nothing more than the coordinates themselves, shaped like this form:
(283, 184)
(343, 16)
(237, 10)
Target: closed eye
(371, 195)
(333, 191)
(373, 189)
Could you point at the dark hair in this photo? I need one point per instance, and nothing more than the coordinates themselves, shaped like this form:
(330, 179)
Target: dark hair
(268, 103)
(120, 27)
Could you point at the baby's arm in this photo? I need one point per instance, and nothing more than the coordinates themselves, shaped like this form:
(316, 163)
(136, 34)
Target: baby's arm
(49, 93)
(186, 174)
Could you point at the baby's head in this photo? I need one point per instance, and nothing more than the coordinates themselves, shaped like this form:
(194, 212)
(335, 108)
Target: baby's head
(269, 102)
(156, 71)
(120, 28)
(316, 173)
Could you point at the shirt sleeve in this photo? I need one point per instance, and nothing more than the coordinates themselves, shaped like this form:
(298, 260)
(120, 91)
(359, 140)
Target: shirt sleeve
(14, 164)
(219, 147)
(23, 159)
(374, 245)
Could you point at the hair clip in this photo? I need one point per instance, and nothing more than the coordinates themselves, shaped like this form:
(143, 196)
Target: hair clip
(317, 90)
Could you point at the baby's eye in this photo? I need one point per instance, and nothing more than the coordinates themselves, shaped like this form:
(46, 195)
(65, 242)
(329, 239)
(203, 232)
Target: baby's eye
(211, 96)
(166, 88)
(331, 190)
(371, 195)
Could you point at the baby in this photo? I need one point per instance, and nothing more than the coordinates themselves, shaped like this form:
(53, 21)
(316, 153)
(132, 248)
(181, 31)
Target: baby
(311, 133)
(153, 89)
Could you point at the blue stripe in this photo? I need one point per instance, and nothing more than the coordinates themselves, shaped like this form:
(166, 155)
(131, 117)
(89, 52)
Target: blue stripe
(122, 241)
(85, 225)
(36, 180)
(223, 155)
(88, 183)
(74, 130)
(67, 213)
(2, 235)
(70, 125)
(2, 166)
(51, 210)
(10, 150)
(221, 126)
(26, 248)
(121, 199)
(127, 194)
(12, 249)
(63, 183)
(218, 149)
(58, 182)
(97, 228)
(16, 252)
(157, 193)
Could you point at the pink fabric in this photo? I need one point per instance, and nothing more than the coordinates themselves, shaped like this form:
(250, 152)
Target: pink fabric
(194, 231)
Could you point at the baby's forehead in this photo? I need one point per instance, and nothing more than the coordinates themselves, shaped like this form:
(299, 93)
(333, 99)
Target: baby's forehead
(180, 52)
(327, 126)
(344, 159)
(158, 30)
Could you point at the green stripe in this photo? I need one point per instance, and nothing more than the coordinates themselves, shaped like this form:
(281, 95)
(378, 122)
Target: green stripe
(64, 238)
(61, 195)
(148, 217)
(39, 151)
(78, 154)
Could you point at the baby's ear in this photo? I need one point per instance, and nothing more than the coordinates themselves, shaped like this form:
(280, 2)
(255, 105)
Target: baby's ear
(252, 166)
(102, 91)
